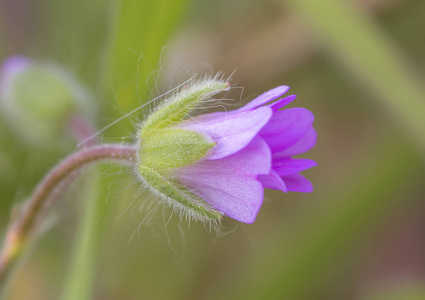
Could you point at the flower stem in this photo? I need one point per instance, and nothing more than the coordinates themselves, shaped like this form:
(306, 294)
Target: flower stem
(23, 227)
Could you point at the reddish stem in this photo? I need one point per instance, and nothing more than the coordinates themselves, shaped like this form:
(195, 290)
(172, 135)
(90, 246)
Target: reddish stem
(21, 229)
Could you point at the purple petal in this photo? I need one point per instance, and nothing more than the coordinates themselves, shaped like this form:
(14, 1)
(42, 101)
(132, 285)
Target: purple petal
(231, 131)
(230, 184)
(286, 127)
(282, 102)
(237, 196)
(298, 183)
(287, 166)
(266, 98)
(253, 160)
(303, 145)
(273, 181)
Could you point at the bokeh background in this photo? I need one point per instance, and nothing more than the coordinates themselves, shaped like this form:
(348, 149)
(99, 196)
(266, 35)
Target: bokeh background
(358, 65)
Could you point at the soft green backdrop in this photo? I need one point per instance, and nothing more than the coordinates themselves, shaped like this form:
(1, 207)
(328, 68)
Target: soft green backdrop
(357, 65)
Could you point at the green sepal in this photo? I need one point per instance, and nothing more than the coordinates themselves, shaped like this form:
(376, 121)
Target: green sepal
(181, 104)
(173, 148)
(186, 201)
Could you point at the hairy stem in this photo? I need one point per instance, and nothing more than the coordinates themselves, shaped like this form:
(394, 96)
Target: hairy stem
(23, 227)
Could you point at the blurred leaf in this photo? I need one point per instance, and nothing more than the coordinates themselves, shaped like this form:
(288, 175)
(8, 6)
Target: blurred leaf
(74, 34)
(80, 277)
(371, 58)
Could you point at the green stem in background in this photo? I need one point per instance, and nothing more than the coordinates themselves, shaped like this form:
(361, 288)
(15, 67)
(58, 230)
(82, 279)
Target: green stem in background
(79, 281)
(24, 226)
(371, 58)
(80, 277)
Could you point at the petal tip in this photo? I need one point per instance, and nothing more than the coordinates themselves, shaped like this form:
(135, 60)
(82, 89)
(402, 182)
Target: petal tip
(247, 219)
(282, 102)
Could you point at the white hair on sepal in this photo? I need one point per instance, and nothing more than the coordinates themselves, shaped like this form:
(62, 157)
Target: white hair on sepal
(184, 213)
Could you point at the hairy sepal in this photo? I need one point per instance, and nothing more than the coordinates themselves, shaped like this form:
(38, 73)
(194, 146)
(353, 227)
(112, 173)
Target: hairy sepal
(173, 148)
(177, 196)
(178, 107)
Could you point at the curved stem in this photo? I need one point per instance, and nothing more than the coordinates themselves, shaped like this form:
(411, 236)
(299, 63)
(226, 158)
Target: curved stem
(22, 228)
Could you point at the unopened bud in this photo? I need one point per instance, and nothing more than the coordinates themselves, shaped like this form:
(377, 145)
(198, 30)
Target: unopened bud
(38, 99)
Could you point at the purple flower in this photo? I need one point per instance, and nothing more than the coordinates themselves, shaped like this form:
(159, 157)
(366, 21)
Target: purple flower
(253, 150)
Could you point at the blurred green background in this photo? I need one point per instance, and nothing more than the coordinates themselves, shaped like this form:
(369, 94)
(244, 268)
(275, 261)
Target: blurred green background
(358, 65)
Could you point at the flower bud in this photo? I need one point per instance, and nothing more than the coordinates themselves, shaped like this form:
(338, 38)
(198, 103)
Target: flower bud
(38, 99)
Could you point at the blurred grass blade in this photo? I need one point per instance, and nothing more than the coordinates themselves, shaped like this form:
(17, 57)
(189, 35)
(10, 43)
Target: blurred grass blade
(80, 279)
(78, 35)
(142, 30)
(371, 58)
